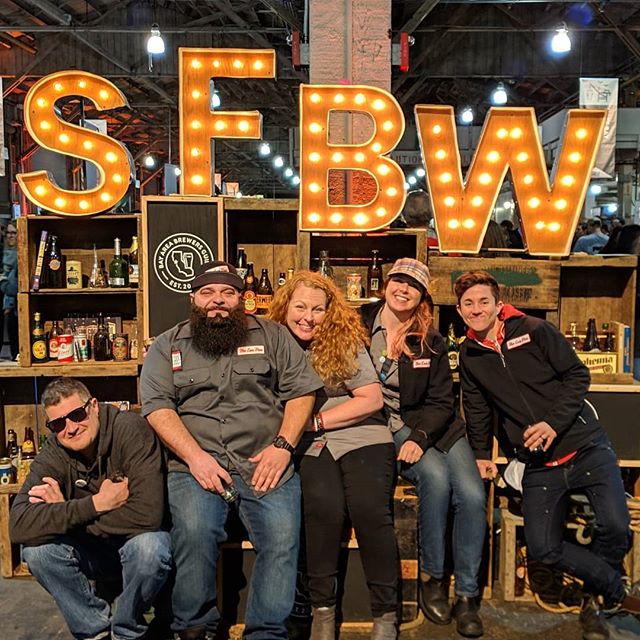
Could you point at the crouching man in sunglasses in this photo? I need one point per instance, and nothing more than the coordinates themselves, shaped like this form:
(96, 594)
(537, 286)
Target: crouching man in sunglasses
(92, 507)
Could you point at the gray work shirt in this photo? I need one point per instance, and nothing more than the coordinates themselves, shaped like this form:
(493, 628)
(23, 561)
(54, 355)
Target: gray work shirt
(233, 404)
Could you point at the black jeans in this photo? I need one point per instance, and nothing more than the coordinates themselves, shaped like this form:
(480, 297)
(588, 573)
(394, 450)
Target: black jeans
(546, 490)
(360, 485)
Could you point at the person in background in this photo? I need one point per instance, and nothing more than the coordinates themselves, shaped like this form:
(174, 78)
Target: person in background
(347, 464)
(9, 287)
(493, 239)
(525, 371)
(432, 452)
(512, 236)
(229, 395)
(593, 241)
(92, 508)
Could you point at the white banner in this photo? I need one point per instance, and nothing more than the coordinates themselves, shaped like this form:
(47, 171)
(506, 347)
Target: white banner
(602, 93)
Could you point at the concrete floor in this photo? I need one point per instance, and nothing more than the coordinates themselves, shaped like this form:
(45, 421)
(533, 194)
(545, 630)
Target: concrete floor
(27, 612)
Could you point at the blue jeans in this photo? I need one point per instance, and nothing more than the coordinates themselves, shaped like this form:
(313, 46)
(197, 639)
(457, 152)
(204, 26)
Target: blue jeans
(65, 566)
(273, 524)
(444, 479)
(545, 493)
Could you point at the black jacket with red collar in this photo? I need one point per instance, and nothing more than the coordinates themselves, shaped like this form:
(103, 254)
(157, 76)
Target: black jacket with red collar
(426, 394)
(536, 376)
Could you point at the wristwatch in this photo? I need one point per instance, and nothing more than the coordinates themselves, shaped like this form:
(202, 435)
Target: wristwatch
(280, 442)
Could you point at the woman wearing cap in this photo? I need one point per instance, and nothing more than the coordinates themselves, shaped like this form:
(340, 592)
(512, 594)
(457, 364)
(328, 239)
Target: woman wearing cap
(412, 363)
(347, 463)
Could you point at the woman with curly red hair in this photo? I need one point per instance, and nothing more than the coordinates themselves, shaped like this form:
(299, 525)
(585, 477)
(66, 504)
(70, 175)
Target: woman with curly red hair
(347, 457)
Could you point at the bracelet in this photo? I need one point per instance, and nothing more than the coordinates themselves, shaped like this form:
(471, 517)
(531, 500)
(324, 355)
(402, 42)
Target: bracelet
(318, 423)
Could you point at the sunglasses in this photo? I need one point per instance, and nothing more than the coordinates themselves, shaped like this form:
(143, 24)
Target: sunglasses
(77, 415)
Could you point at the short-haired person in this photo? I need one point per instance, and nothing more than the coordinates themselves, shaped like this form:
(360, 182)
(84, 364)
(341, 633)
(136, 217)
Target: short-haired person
(229, 395)
(411, 359)
(524, 369)
(92, 507)
(347, 464)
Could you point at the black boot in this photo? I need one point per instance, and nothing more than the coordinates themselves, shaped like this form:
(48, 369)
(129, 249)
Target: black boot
(591, 620)
(195, 633)
(433, 598)
(468, 622)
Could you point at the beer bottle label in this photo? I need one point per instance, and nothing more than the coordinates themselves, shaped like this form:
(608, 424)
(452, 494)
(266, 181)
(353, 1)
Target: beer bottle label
(54, 264)
(39, 350)
(53, 348)
(242, 272)
(249, 302)
(453, 360)
(374, 284)
(263, 301)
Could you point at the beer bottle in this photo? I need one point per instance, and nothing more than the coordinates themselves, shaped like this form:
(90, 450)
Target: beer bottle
(249, 293)
(53, 341)
(241, 263)
(264, 293)
(591, 341)
(573, 337)
(28, 444)
(453, 349)
(38, 342)
(56, 278)
(118, 270)
(134, 269)
(324, 268)
(290, 273)
(608, 337)
(374, 277)
(95, 270)
(282, 278)
(12, 446)
(101, 342)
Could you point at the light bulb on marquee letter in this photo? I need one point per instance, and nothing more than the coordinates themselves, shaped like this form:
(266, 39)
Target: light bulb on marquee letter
(197, 67)
(318, 157)
(109, 156)
(509, 140)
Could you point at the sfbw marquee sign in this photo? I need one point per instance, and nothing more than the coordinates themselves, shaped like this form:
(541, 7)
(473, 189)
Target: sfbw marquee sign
(550, 206)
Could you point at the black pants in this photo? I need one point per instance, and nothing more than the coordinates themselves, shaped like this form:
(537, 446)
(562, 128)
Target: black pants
(360, 485)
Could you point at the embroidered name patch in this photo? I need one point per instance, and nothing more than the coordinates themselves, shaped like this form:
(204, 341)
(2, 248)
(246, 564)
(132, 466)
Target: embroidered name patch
(247, 351)
(422, 363)
(176, 360)
(518, 342)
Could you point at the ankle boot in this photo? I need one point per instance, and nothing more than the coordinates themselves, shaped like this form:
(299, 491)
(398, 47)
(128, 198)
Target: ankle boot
(195, 633)
(385, 627)
(591, 620)
(323, 625)
(433, 598)
(468, 622)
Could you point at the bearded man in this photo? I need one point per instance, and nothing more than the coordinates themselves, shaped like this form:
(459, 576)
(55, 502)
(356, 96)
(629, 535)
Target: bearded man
(229, 395)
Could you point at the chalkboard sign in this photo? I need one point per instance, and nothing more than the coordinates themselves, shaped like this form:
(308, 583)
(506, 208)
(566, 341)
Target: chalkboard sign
(179, 234)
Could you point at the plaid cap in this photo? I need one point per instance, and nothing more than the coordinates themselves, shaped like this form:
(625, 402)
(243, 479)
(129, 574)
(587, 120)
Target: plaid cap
(217, 272)
(412, 268)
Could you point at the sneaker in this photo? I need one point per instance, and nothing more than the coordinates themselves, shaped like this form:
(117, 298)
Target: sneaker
(591, 620)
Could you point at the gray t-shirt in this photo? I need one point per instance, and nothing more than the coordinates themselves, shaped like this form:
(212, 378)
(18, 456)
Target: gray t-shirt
(369, 431)
(232, 405)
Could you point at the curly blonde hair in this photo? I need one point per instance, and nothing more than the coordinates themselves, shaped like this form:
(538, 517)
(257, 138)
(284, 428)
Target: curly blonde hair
(335, 346)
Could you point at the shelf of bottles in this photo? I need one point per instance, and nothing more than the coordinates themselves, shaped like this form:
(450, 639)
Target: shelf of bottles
(602, 351)
(80, 304)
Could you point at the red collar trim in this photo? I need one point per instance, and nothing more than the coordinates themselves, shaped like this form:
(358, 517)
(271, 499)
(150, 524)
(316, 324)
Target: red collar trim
(508, 311)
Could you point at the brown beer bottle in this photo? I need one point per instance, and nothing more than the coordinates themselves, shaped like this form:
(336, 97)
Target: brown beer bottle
(264, 294)
(374, 277)
(249, 293)
(54, 341)
(38, 341)
(591, 341)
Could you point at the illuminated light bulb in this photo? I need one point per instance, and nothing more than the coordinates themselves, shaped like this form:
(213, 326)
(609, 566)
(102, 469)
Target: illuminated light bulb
(560, 204)
(117, 178)
(360, 98)
(360, 218)
(41, 102)
(278, 162)
(337, 157)
(493, 156)
(383, 169)
(196, 64)
(567, 181)
(523, 156)
(104, 94)
(412, 180)
(407, 186)
(315, 127)
(528, 179)
(313, 218)
(295, 181)
(40, 190)
(82, 84)
(59, 202)
(449, 201)
(220, 125)
(314, 187)
(88, 145)
(195, 152)
(376, 147)
(453, 224)
(57, 86)
(105, 197)
(196, 124)
(315, 98)
(378, 104)
(540, 225)
(359, 157)
(238, 64)
(502, 133)
(575, 157)
(315, 157)
(469, 223)
(335, 218)
(338, 98)
(446, 177)
(216, 64)
(381, 211)
(83, 204)
(476, 201)
(516, 133)
(387, 125)
(534, 203)
(288, 172)
(581, 134)
(436, 130)
(421, 173)
(440, 154)
(197, 179)
(243, 125)
(45, 125)
(195, 94)
(553, 226)
(392, 191)
(64, 138)
(258, 65)
(484, 178)
(110, 156)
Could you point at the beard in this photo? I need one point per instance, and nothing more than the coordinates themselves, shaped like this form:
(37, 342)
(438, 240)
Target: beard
(219, 335)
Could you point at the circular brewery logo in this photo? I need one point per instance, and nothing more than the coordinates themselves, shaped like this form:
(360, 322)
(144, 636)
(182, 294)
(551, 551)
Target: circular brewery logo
(177, 258)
